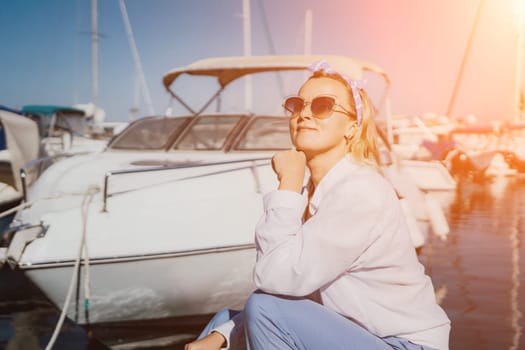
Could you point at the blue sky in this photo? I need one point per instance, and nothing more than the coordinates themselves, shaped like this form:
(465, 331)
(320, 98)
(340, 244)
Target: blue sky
(46, 47)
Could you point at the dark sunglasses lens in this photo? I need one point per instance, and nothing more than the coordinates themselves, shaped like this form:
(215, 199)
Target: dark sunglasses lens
(293, 105)
(322, 106)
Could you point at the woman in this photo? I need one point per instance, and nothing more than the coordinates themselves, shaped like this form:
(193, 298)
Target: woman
(335, 267)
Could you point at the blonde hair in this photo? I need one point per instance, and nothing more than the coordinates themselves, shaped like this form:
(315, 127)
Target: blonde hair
(363, 145)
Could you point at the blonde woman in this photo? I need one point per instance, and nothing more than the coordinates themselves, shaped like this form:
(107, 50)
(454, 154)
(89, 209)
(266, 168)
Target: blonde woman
(336, 268)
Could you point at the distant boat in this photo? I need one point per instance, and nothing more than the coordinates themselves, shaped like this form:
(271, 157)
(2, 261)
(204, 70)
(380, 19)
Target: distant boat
(65, 129)
(19, 144)
(160, 223)
(484, 150)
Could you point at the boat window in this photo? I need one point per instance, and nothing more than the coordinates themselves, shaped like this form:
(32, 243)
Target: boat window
(3, 144)
(74, 122)
(148, 134)
(266, 133)
(6, 173)
(208, 133)
(6, 169)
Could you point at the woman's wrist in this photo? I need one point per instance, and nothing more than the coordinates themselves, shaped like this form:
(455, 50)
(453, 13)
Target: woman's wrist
(290, 185)
(218, 338)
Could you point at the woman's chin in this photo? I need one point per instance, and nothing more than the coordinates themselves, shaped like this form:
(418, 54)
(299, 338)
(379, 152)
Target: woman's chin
(302, 146)
(306, 149)
(304, 140)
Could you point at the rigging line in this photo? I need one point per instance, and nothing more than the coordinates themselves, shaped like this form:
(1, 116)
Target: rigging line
(266, 27)
(271, 46)
(190, 177)
(136, 57)
(464, 60)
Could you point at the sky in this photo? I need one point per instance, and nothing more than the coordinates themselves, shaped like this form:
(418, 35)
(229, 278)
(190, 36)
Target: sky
(45, 55)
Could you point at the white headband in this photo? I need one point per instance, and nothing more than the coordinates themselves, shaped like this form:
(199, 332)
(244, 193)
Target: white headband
(353, 84)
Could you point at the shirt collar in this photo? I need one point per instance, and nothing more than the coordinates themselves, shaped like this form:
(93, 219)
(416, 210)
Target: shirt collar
(339, 171)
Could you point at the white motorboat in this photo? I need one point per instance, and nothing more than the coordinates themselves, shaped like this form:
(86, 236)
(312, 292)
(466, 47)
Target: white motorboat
(484, 151)
(160, 223)
(411, 137)
(71, 130)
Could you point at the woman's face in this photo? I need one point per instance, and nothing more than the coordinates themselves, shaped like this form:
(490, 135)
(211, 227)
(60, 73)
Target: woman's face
(316, 136)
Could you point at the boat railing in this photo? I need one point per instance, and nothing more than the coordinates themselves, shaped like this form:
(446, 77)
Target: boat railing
(32, 170)
(254, 164)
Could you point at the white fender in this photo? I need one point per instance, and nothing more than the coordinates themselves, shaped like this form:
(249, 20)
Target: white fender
(437, 217)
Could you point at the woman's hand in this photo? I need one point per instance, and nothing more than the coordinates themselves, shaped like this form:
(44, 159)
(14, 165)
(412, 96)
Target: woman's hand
(213, 341)
(290, 167)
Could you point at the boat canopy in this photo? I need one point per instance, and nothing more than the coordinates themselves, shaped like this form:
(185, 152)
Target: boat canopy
(22, 141)
(9, 109)
(228, 69)
(49, 109)
(49, 117)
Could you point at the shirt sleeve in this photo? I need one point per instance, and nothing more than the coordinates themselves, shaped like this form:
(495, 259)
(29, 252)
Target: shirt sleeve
(296, 259)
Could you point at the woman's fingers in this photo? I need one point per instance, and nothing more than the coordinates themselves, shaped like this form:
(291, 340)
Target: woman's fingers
(290, 168)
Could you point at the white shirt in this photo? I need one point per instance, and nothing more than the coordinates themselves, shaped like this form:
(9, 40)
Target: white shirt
(355, 249)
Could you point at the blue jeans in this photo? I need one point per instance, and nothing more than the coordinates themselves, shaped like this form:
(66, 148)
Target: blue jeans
(278, 322)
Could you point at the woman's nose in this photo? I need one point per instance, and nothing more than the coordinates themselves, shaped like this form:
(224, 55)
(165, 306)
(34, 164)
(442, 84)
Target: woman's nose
(306, 112)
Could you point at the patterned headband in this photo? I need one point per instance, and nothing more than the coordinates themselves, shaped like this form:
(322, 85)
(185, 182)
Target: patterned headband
(354, 85)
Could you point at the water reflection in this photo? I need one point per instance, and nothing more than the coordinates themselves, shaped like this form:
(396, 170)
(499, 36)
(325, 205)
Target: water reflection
(479, 265)
(27, 318)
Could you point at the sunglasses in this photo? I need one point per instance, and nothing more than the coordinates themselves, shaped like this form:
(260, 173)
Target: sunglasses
(322, 106)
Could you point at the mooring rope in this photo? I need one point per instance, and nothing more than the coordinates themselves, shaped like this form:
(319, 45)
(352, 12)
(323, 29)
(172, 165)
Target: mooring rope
(88, 197)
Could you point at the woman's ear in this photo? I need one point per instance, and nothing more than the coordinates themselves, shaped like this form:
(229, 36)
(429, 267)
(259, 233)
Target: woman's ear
(351, 131)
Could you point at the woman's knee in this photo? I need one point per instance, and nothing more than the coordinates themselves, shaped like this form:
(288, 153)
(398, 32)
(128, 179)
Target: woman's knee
(259, 305)
(222, 316)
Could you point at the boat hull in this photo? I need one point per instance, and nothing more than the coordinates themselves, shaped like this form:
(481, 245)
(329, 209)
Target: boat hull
(151, 287)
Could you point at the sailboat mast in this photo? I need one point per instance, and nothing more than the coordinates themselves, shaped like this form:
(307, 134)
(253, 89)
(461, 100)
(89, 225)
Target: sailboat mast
(464, 60)
(94, 52)
(308, 32)
(518, 76)
(247, 51)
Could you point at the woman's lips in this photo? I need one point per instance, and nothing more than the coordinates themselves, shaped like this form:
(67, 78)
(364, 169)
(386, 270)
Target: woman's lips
(305, 128)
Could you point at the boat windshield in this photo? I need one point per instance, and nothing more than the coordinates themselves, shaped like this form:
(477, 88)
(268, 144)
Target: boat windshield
(208, 133)
(149, 134)
(266, 133)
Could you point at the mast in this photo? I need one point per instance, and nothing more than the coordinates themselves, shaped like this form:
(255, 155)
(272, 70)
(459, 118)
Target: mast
(308, 32)
(518, 78)
(94, 52)
(271, 46)
(464, 60)
(247, 51)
